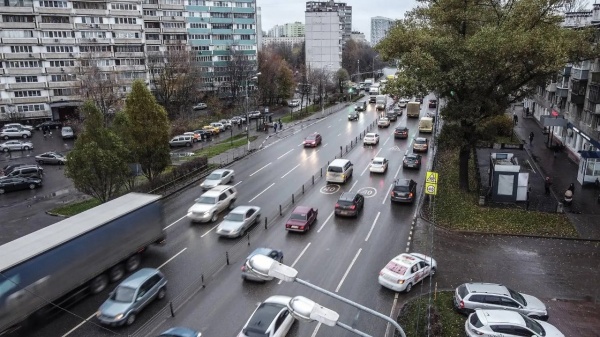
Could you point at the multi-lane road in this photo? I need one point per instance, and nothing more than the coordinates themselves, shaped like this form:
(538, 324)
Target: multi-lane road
(338, 254)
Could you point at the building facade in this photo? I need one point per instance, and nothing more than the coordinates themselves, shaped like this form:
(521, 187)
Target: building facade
(325, 26)
(345, 13)
(574, 94)
(379, 28)
(267, 40)
(295, 29)
(358, 37)
(45, 44)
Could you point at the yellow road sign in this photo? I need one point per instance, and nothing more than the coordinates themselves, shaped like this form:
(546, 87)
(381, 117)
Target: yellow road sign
(431, 177)
(430, 189)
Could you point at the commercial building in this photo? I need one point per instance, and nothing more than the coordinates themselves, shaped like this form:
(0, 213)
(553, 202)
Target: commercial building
(46, 45)
(379, 28)
(327, 25)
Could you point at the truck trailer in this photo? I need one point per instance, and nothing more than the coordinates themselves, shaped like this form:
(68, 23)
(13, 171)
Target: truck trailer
(50, 267)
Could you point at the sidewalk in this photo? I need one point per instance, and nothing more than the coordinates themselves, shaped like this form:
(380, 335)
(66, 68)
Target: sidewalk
(584, 213)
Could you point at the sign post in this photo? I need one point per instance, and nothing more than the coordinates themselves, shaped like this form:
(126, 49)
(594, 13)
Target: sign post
(431, 180)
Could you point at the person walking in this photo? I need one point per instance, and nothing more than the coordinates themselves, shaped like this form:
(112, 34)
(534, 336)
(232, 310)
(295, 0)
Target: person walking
(547, 184)
(275, 127)
(515, 118)
(531, 138)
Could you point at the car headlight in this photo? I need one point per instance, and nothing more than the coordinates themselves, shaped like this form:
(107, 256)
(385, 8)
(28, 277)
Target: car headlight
(400, 281)
(119, 316)
(206, 213)
(98, 313)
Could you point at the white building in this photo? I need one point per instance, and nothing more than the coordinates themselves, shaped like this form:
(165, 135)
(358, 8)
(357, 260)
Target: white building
(379, 28)
(358, 37)
(267, 40)
(295, 29)
(324, 37)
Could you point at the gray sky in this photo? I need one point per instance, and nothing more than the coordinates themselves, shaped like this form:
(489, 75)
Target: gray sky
(277, 12)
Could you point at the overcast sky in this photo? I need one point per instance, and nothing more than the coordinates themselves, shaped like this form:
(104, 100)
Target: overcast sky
(277, 12)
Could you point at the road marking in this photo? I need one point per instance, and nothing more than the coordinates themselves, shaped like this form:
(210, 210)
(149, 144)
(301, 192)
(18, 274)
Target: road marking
(323, 225)
(79, 325)
(210, 230)
(372, 227)
(313, 153)
(263, 191)
(353, 186)
(260, 169)
(297, 259)
(387, 328)
(290, 171)
(171, 259)
(339, 134)
(376, 154)
(301, 144)
(387, 140)
(176, 221)
(363, 172)
(328, 126)
(397, 172)
(348, 270)
(388, 193)
(314, 334)
(285, 154)
(239, 182)
(322, 146)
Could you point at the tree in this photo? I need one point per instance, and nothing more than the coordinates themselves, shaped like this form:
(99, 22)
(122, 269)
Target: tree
(341, 78)
(97, 164)
(276, 80)
(285, 81)
(480, 57)
(145, 129)
(359, 56)
(239, 67)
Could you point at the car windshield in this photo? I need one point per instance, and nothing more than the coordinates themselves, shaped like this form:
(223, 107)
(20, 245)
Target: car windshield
(123, 294)
(298, 216)
(533, 325)
(214, 176)
(396, 268)
(67, 129)
(401, 188)
(377, 162)
(311, 138)
(420, 141)
(517, 297)
(235, 217)
(206, 200)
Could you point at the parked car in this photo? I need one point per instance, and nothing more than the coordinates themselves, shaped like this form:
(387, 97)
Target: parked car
(49, 124)
(406, 270)
(217, 177)
(180, 332)
(301, 219)
(10, 167)
(13, 132)
(421, 144)
(401, 132)
(313, 140)
(131, 296)
(200, 106)
(26, 171)
(238, 221)
(294, 103)
(226, 123)
(404, 190)
(211, 129)
(51, 158)
(18, 126)
(181, 140)
(219, 126)
(479, 295)
(349, 204)
(204, 135)
(67, 132)
(16, 145)
(371, 139)
(492, 323)
(275, 254)
(8, 184)
(412, 160)
(196, 137)
(254, 114)
(353, 115)
(271, 318)
(432, 103)
(211, 203)
(383, 122)
(238, 120)
(378, 165)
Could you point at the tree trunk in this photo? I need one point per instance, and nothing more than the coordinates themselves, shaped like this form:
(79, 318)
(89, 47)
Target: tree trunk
(463, 167)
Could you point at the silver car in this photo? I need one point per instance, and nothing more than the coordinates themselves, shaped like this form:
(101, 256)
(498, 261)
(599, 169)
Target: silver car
(16, 145)
(13, 132)
(67, 132)
(51, 158)
(237, 222)
(216, 178)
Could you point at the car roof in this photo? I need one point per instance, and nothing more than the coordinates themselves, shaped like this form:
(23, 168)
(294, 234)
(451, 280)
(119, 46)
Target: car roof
(413, 155)
(241, 209)
(406, 259)
(371, 134)
(217, 190)
(301, 209)
(179, 331)
(347, 196)
(500, 316)
(139, 277)
(378, 159)
(420, 139)
(220, 170)
(402, 182)
(481, 287)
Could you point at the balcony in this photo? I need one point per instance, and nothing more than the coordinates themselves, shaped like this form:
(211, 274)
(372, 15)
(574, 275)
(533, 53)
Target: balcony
(22, 56)
(151, 30)
(551, 87)
(595, 77)
(69, 41)
(131, 68)
(579, 74)
(17, 25)
(151, 18)
(173, 18)
(54, 99)
(104, 54)
(27, 85)
(63, 70)
(26, 100)
(60, 85)
(171, 7)
(25, 71)
(129, 54)
(67, 26)
(95, 12)
(577, 98)
(59, 56)
(153, 42)
(38, 114)
(88, 26)
(131, 14)
(52, 10)
(562, 91)
(127, 41)
(10, 40)
(593, 108)
(566, 70)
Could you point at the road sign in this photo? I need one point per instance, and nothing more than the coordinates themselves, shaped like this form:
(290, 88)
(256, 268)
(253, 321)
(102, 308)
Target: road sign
(431, 177)
(430, 188)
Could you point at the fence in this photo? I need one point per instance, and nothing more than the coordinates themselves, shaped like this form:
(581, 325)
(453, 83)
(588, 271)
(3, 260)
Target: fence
(236, 253)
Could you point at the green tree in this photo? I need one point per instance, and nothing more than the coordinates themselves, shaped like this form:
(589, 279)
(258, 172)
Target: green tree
(480, 56)
(98, 162)
(285, 81)
(145, 129)
(342, 77)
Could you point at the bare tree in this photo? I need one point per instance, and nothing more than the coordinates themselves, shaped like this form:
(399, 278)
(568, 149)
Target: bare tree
(175, 79)
(569, 6)
(12, 113)
(239, 68)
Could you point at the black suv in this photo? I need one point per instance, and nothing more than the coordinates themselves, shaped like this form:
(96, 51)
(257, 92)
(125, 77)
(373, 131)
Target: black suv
(404, 190)
(401, 132)
(412, 160)
(349, 204)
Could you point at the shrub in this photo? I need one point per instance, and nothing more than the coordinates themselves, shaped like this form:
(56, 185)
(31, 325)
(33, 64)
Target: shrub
(498, 126)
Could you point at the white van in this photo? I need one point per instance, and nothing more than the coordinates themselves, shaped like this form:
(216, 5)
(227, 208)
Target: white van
(426, 124)
(413, 109)
(339, 171)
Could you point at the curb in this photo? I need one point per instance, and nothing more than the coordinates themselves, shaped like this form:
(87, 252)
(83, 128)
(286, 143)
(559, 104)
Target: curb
(56, 214)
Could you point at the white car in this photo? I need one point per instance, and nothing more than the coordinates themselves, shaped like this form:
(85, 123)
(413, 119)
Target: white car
(67, 132)
(254, 114)
(506, 323)
(294, 103)
(237, 222)
(18, 126)
(210, 204)
(378, 165)
(200, 106)
(371, 139)
(218, 125)
(406, 270)
(216, 178)
(14, 132)
(16, 145)
(270, 319)
(226, 123)
(383, 122)
(402, 103)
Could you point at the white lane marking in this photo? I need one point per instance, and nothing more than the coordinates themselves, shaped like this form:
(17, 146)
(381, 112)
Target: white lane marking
(313, 153)
(290, 171)
(297, 259)
(353, 186)
(210, 230)
(285, 154)
(301, 144)
(323, 225)
(328, 126)
(239, 182)
(339, 134)
(387, 328)
(263, 191)
(176, 221)
(387, 140)
(171, 259)
(348, 270)
(260, 169)
(376, 154)
(397, 172)
(363, 172)
(324, 145)
(314, 334)
(79, 325)
(372, 227)
(388, 193)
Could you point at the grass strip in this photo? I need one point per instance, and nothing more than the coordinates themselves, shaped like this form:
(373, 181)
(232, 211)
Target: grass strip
(413, 317)
(76, 207)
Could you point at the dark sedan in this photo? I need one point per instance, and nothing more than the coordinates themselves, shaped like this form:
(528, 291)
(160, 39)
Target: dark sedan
(404, 190)
(401, 132)
(349, 204)
(16, 184)
(49, 124)
(412, 160)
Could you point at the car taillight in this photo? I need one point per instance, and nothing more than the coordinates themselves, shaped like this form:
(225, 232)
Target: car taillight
(353, 207)
(243, 268)
(461, 304)
(337, 205)
(392, 194)
(410, 195)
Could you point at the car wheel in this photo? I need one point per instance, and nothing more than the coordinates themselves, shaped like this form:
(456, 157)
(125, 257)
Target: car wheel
(1, 191)
(231, 204)
(31, 186)
(133, 262)
(408, 287)
(6, 149)
(25, 136)
(214, 217)
(130, 319)
(98, 284)
(116, 273)
(26, 148)
(5, 137)
(40, 162)
(162, 293)
(188, 144)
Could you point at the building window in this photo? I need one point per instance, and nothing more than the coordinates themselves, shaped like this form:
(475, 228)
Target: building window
(153, 48)
(174, 37)
(199, 36)
(64, 92)
(220, 15)
(24, 64)
(59, 49)
(173, 13)
(93, 34)
(130, 62)
(18, 18)
(30, 107)
(97, 63)
(63, 78)
(245, 37)
(62, 63)
(173, 25)
(18, 3)
(88, 5)
(94, 49)
(203, 58)
(28, 93)
(129, 49)
(55, 19)
(126, 21)
(124, 6)
(173, 2)
(153, 37)
(126, 35)
(26, 79)
(149, 12)
(243, 15)
(221, 4)
(222, 26)
(92, 19)
(197, 3)
(198, 25)
(223, 58)
(21, 49)
(59, 34)
(16, 34)
(199, 48)
(130, 75)
(53, 4)
(222, 37)
(150, 2)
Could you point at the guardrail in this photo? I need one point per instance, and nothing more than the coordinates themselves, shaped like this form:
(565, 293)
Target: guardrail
(236, 253)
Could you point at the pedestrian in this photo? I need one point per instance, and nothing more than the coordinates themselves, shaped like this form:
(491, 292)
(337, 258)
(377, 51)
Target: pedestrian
(275, 127)
(531, 138)
(280, 125)
(527, 111)
(528, 200)
(547, 184)
(515, 118)
(44, 130)
(572, 188)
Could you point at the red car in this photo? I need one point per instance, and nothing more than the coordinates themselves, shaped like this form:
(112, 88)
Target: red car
(313, 140)
(301, 219)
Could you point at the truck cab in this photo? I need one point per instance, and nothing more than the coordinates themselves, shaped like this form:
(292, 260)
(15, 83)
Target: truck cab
(380, 102)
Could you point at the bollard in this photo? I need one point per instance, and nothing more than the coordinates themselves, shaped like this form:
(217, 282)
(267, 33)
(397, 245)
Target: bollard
(313, 179)
(248, 235)
(202, 280)
(280, 213)
(321, 172)
(266, 222)
(341, 151)
(171, 308)
(351, 142)
(227, 257)
(292, 198)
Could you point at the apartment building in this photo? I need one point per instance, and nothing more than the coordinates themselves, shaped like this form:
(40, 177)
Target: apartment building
(574, 94)
(47, 44)
(358, 37)
(267, 40)
(345, 13)
(379, 28)
(295, 29)
(324, 34)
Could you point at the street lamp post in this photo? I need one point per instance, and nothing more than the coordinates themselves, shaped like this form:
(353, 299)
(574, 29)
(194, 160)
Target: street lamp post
(253, 77)
(358, 69)
(323, 89)
(265, 267)
(373, 66)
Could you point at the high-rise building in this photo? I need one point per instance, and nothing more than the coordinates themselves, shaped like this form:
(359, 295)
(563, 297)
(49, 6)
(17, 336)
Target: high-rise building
(379, 28)
(342, 8)
(295, 29)
(45, 44)
(259, 32)
(326, 26)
